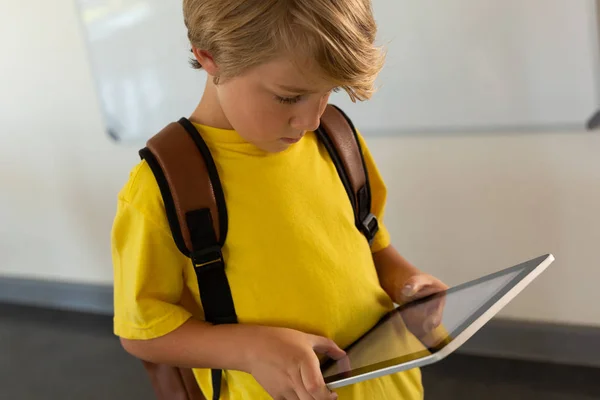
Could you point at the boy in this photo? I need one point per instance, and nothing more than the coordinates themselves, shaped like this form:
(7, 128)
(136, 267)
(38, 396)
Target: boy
(303, 278)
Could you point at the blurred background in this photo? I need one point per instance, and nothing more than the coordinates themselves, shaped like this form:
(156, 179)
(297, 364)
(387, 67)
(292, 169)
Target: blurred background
(482, 128)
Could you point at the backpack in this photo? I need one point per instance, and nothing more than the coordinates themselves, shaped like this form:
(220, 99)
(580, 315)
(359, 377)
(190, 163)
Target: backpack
(195, 206)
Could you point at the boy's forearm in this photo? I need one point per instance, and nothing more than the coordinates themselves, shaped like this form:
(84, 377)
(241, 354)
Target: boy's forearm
(197, 344)
(393, 270)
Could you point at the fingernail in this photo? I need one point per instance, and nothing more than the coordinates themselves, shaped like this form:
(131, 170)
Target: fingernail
(408, 290)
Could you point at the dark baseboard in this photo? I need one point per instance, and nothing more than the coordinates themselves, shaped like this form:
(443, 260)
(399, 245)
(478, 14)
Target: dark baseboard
(515, 339)
(537, 341)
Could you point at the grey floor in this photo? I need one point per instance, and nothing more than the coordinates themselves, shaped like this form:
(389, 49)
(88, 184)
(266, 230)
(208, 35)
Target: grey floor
(47, 354)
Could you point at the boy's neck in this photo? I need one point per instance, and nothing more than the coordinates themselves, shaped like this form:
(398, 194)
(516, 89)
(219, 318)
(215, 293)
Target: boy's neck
(209, 111)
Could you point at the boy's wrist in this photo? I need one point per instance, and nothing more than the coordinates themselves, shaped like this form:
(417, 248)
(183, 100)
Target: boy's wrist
(242, 346)
(393, 271)
(235, 353)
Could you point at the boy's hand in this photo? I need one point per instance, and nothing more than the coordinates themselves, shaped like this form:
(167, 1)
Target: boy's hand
(285, 364)
(423, 318)
(418, 286)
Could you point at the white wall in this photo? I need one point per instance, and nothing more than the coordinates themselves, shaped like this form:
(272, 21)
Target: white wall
(59, 172)
(459, 205)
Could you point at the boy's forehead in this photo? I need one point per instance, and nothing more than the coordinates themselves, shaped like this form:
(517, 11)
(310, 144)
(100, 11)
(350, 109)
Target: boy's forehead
(293, 74)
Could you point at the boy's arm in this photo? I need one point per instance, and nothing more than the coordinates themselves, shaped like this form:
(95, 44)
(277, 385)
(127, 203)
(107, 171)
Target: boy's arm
(149, 282)
(188, 347)
(393, 271)
(283, 361)
(401, 280)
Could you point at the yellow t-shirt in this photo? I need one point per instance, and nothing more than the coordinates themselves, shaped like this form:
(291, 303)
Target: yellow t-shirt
(293, 255)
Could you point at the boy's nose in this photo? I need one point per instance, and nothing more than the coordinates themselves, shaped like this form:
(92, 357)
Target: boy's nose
(311, 125)
(309, 120)
(307, 123)
(309, 117)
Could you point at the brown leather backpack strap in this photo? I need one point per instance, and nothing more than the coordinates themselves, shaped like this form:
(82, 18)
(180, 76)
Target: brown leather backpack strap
(195, 206)
(172, 383)
(341, 140)
(187, 185)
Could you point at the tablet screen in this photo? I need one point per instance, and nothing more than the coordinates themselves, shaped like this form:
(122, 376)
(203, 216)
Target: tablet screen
(404, 334)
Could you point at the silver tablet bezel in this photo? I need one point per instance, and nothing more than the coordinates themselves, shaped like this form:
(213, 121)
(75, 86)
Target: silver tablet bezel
(482, 316)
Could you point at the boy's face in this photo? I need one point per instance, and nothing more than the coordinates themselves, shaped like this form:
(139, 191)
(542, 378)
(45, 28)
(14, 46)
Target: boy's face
(274, 104)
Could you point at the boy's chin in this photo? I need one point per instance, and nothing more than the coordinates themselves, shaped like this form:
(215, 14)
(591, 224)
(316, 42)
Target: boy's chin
(274, 147)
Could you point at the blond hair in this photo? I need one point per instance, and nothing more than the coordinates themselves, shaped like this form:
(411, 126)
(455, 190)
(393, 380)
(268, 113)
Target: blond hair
(338, 34)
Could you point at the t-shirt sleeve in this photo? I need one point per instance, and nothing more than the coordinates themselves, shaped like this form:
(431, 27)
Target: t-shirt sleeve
(147, 266)
(378, 197)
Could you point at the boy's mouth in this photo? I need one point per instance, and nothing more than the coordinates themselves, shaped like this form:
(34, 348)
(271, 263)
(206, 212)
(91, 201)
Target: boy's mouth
(292, 140)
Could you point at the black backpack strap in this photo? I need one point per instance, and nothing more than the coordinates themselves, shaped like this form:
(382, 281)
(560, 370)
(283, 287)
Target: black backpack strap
(195, 205)
(197, 214)
(340, 138)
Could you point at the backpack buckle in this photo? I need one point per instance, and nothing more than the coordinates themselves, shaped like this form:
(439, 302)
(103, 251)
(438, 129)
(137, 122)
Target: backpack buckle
(370, 227)
(207, 258)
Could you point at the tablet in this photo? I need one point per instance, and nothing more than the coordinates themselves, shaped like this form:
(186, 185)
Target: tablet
(427, 330)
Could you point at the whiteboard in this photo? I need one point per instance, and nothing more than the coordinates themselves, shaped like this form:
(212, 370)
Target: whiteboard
(452, 65)
(139, 54)
(480, 65)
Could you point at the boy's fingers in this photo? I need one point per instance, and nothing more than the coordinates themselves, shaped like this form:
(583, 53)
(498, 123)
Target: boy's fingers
(432, 323)
(314, 383)
(344, 365)
(420, 286)
(327, 346)
(426, 291)
(302, 394)
(414, 285)
(290, 396)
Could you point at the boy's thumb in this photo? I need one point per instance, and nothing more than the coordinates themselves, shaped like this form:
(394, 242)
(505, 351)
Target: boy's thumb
(413, 285)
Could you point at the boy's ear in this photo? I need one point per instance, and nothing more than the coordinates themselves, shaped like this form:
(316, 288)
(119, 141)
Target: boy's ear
(206, 60)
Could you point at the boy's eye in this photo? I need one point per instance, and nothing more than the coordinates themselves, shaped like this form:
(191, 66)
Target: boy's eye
(288, 100)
